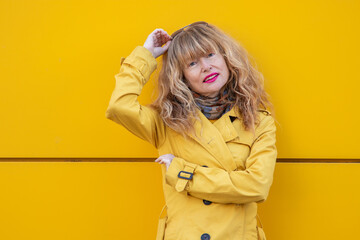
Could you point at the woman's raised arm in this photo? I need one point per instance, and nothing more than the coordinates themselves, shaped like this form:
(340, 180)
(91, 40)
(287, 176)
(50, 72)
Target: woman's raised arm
(135, 71)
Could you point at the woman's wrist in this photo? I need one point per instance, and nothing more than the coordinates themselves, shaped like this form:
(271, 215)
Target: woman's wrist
(150, 50)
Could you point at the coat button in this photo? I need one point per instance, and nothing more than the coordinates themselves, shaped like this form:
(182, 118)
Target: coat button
(206, 202)
(205, 236)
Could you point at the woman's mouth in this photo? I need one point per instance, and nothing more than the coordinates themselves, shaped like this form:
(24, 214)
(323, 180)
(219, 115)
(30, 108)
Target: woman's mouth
(211, 79)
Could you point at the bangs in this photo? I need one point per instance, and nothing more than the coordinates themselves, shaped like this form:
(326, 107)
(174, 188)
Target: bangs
(193, 44)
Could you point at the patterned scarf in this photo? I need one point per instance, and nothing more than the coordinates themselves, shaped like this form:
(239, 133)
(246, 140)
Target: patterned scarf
(213, 107)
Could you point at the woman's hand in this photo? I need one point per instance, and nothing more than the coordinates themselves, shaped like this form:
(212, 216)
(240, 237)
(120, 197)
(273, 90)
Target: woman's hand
(155, 41)
(165, 159)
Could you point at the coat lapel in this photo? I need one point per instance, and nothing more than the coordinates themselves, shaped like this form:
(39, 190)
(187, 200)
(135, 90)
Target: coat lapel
(226, 127)
(213, 138)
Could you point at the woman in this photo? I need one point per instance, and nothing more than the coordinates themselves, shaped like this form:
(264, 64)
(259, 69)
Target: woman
(211, 126)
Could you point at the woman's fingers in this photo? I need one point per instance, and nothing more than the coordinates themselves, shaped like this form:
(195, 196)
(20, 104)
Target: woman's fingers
(155, 41)
(166, 158)
(166, 46)
(160, 160)
(161, 37)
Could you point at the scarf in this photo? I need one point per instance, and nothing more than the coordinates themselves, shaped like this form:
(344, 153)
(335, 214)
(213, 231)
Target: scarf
(213, 107)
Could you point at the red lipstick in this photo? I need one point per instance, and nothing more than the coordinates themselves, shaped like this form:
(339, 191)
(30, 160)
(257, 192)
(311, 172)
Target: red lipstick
(212, 77)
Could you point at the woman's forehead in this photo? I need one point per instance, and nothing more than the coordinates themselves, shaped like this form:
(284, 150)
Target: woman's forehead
(193, 53)
(192, 45)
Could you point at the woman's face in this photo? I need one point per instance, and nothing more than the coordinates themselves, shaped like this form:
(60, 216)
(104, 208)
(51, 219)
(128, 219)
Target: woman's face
(207, 75)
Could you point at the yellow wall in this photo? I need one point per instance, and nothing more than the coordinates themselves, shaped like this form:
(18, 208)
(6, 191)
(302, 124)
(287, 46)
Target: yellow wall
(57, 65)
(58, 60)
(112, 201)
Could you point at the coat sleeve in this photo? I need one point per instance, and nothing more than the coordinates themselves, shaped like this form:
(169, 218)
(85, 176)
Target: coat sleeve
(124, 108)
(239, 187)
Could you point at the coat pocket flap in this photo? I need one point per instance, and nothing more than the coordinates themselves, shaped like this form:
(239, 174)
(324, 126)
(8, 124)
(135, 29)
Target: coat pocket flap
(244, 137)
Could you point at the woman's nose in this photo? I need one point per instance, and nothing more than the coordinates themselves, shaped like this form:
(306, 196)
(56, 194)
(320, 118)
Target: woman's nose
(205, 64)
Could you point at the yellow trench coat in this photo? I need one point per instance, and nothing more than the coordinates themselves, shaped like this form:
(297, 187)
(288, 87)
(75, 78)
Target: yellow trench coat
(231, 169)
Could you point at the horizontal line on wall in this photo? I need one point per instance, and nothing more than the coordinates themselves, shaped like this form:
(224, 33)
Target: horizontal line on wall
(279, 160)
(317, 160)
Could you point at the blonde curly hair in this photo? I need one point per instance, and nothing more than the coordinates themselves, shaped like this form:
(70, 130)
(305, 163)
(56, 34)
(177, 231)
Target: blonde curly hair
(175, 102)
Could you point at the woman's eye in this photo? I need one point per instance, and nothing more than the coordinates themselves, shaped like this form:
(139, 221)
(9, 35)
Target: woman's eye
(192, 64)
(211, 54)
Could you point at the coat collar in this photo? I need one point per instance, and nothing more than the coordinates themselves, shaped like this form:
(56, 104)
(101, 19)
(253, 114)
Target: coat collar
(244, 136)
